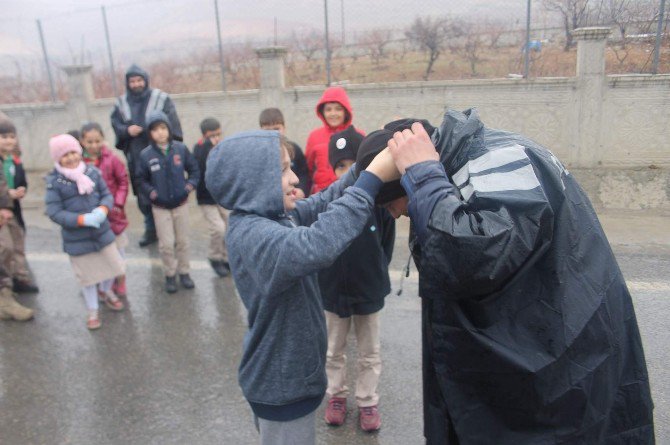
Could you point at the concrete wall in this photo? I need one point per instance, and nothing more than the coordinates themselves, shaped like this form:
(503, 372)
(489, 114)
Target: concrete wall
(615, 125)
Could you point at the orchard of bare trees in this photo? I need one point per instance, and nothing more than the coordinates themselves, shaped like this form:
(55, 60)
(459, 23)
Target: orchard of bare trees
(428, 48)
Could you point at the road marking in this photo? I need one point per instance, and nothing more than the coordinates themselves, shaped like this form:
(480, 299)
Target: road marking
(395, 274)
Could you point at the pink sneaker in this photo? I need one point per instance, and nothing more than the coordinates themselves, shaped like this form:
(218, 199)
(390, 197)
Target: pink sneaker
(369, 418)
(113, 302)
(336, 411)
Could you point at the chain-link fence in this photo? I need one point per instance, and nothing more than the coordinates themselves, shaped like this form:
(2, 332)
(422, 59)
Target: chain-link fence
(186, 49)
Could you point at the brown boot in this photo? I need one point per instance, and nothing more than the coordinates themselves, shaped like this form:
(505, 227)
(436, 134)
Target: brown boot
(10, 309)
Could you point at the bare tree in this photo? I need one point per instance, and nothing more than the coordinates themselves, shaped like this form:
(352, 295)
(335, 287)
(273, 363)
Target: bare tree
(470, 45)
(307, 44)
(377, 40)
(495, 31)
(429, 35)
(574, 14)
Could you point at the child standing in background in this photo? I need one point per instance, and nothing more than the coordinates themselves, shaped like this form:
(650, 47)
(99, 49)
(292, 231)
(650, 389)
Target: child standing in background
(273, 119)
(17, 186)
(336, 113)
(78, 200)
(215, 215)
(162, 171)
(353, 289)
(115, 176)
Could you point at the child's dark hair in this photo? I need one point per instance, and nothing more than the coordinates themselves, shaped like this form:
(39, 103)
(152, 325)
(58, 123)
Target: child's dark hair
(90, 126)
(286, 145)
(74, 133)
(271, 116)
(7, 127)
(209, 124)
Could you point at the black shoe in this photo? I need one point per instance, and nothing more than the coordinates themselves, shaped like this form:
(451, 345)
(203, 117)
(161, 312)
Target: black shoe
(24, 287)
(148, 238)
(171, 284)
(186, 281)
(219, 267)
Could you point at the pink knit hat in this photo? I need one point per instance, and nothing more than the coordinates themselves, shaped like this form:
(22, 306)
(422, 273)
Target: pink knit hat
(61, 145)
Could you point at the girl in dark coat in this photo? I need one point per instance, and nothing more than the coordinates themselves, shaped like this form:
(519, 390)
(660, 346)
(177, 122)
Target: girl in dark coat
(78, 200)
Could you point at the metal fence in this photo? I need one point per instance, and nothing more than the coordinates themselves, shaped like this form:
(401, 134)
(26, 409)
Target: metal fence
(203, 45)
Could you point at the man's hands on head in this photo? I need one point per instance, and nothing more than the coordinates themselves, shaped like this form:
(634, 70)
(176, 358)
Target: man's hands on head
(409, 147)
(384, 167)
(134, 130)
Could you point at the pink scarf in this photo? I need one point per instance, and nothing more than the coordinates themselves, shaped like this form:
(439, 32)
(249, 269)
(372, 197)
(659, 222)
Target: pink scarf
(84, 184)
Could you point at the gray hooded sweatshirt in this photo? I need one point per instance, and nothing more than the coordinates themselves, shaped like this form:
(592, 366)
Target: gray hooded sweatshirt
(274, 258)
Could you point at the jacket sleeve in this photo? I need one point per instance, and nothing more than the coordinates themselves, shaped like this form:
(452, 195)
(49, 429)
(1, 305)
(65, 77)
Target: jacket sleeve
(192, 168)
(307, 210)
(144, 177)
(473, 248)
(120, 128)
(56, 210)
(175, 125)
(121, 176)
(281, 254)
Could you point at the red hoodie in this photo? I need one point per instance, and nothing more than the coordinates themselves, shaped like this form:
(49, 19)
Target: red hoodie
(316, 150)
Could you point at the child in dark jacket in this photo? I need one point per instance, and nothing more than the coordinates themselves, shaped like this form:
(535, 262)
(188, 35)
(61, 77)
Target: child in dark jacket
(276, 245)
(78, 200)
(353, 291)
(116, 178)
(215, 215)
(273, 119)
(335, 111)
(162, 171)
(17, 186)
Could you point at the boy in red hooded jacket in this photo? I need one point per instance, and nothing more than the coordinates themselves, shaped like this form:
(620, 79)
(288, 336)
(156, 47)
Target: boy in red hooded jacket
(336, 113)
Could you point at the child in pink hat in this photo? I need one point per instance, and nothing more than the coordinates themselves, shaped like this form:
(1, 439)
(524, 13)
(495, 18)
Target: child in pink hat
(78, 200)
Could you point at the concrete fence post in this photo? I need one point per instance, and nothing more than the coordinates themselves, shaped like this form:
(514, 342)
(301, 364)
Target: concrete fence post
(591, 88)
(80, 84)
(272, 76)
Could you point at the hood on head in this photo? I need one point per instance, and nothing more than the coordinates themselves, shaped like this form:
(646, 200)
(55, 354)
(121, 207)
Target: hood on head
(243, 173)
(135, 70)
(454, 134)
(158, 116)
(339, 95)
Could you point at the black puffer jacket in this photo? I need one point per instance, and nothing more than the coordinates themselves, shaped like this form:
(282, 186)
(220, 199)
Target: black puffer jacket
(358, 281)
(529, 331)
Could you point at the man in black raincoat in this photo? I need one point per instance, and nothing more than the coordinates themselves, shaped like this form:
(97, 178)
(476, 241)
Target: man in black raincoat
(129, 122)
(529, 332)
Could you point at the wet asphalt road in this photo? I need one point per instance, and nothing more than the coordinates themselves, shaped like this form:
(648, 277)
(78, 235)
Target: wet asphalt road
(164, 371)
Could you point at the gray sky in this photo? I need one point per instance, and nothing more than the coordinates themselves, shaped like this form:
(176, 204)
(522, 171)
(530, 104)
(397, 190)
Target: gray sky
(73, 27)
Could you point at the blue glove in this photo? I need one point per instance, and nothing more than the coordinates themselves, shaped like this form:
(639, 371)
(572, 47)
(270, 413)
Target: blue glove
(100, 215)
(91, 220)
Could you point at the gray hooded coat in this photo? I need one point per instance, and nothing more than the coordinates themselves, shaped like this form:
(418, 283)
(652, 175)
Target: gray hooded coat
(274, 259)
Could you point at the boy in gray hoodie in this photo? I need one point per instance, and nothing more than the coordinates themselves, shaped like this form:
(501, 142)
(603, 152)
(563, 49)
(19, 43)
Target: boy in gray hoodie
(276, 244)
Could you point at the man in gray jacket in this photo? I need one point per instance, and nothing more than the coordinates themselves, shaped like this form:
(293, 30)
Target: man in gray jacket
(129, 118)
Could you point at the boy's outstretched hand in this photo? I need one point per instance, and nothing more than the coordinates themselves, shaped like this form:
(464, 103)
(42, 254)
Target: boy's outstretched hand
(384, 167)
(409, 147)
